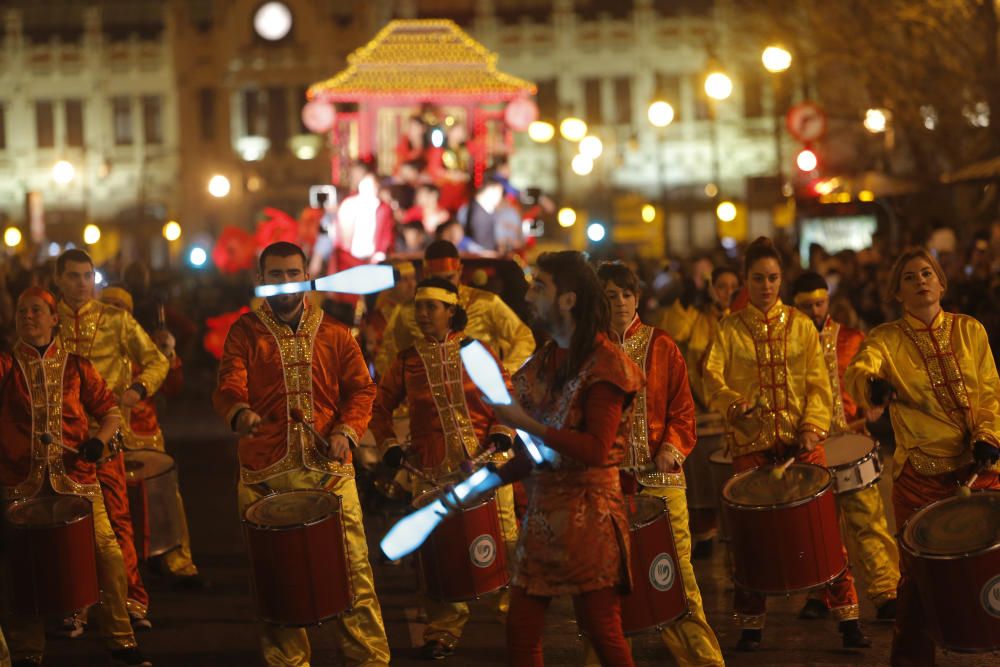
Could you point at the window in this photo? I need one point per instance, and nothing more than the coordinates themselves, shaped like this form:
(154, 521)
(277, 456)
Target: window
(753, 94)
(548, 100)
(277, 117)
(253, 118)
(152, 120)
(623, 100)
(592, 102)
(206, 109)
(121, 120)
(668, 89)
(45, 124)
(74, 123)
(3, 127)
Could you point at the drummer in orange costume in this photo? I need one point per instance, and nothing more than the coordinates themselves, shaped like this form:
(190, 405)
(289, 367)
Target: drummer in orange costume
(454, 426)
(862, 512)
(115, 343)
(144, 425)
(765, 372)
(663, 432)
(288, 355)
(41, 367)
(936, 373)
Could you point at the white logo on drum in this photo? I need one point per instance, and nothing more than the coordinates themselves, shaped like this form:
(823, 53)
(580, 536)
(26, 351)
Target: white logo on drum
(483, 551)
(990, 597)
(662, 572)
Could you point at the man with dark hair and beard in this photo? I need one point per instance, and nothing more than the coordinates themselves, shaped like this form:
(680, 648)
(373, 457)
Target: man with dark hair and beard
(258, 390)
(575, 395)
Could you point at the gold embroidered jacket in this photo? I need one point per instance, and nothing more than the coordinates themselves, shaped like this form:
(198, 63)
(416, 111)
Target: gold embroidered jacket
(772, 360)
(53, 394)
(490, 321)
(839, 344)
(449, 422)
(318, 369)
(947, 387)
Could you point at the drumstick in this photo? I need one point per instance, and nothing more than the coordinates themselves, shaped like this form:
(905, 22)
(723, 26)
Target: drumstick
(301, 418)
(469, 466)
(779, 471)
(92, 457)
(965, 490)
(398, 460)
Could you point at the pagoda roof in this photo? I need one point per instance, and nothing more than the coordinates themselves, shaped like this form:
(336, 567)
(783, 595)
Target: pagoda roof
(421, 59)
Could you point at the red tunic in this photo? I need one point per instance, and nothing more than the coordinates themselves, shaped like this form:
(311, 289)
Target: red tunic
(574, 536)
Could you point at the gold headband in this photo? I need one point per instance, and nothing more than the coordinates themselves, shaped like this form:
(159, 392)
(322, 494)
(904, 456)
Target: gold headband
(437, 294)
(405, 268)
(819, 293)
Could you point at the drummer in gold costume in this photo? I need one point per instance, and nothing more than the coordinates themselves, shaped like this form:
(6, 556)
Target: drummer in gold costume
(490, 319)
(765, 372)
(454, 425)
(45, 391)
(662, 432)
(288, 355)
(862, 514)
(935, 371)
(144, 425)
(116, 344)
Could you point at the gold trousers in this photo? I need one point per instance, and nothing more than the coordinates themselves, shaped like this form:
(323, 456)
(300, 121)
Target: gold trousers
(26, 634)
(690, 639)
(360, 634)
(445, 620)
(869, 543)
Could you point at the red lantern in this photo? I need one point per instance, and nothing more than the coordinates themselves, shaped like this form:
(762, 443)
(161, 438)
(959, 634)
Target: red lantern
(318, 116)
(521, 113)
(217, 328)
(279, 226)
(234, 251)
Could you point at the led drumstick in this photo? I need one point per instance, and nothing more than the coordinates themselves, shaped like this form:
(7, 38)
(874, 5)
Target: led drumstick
(779, 471)
(365, 279)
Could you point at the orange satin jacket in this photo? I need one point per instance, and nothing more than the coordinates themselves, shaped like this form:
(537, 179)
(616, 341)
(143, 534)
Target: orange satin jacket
(663, 411)
(449, 422)
(55, 394)
(318, 369)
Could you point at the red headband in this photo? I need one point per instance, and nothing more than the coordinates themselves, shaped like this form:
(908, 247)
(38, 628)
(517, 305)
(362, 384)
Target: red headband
(443, 265)
(41, 293)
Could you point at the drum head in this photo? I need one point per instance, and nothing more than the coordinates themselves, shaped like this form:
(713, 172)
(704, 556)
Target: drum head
(146, 463)
(759, 488)
(643, 510)
(430, 495)
(48, 511)
(292, 509)
(848, 448)
(956, 526)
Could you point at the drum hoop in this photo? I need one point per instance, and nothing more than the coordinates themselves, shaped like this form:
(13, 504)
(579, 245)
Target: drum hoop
(306, 524)
(795, 503)
(915, 552)
(172, 468)
(48, 526)
(847, 492)
(666, 510)
(856, 462)
(462, 506)
(794, 591)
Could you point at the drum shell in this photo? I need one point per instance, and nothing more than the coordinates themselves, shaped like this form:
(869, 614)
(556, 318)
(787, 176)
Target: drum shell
(657, 597)
(785, 548)
(52, 569)
(156, 520)
(466, 555)
(721, 470)
(855, 475)
(701, 492)
(300, 573)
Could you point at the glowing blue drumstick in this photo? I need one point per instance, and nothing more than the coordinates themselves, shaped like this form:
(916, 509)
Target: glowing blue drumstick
(412, 530)
(485, 374)
(366, 279)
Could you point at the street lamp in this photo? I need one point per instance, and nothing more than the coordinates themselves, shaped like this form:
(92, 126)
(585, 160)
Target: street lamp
(726, 211)
(91, 234)
(573, 129)
(541, 132)
(218, 186)
(660, 113)
(566, 217)
(592, 147)
(582, 165)
(776, 59)
(171, 231)
(718, 86)
(63, 172)
(648, 213)
(12, 237)
(876, 120)
(806, 160)
(596, 232)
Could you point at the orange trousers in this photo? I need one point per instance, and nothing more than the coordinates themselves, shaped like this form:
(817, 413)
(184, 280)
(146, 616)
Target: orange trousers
(111, 475)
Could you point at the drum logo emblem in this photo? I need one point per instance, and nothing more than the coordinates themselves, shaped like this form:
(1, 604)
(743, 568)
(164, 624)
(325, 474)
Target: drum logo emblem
(662, 572)
(483, 551)
(991, 597)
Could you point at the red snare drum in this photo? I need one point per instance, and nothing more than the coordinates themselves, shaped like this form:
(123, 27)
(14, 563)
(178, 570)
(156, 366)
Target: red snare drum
(954, 546)
(465, 557)
(298, 557)
(657, 596)
(53, 553)
(151, 479)
(785, 533)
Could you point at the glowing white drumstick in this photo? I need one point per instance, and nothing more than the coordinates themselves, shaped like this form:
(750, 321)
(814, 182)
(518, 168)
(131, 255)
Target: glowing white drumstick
(412, 530)
(485, 374)
(366, 279)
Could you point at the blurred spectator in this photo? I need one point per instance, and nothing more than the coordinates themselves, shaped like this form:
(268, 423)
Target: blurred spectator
(479, 215)
(452, 231)
(364, 231)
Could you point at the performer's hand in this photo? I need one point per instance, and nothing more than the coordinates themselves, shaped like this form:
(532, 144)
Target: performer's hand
(880, 392)
(130, 398)
(340, 448)
(166, 342)
(808, 440)
(985, 454)
(247, 422)
(91, 450)
(666, 461)
(739, 410)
